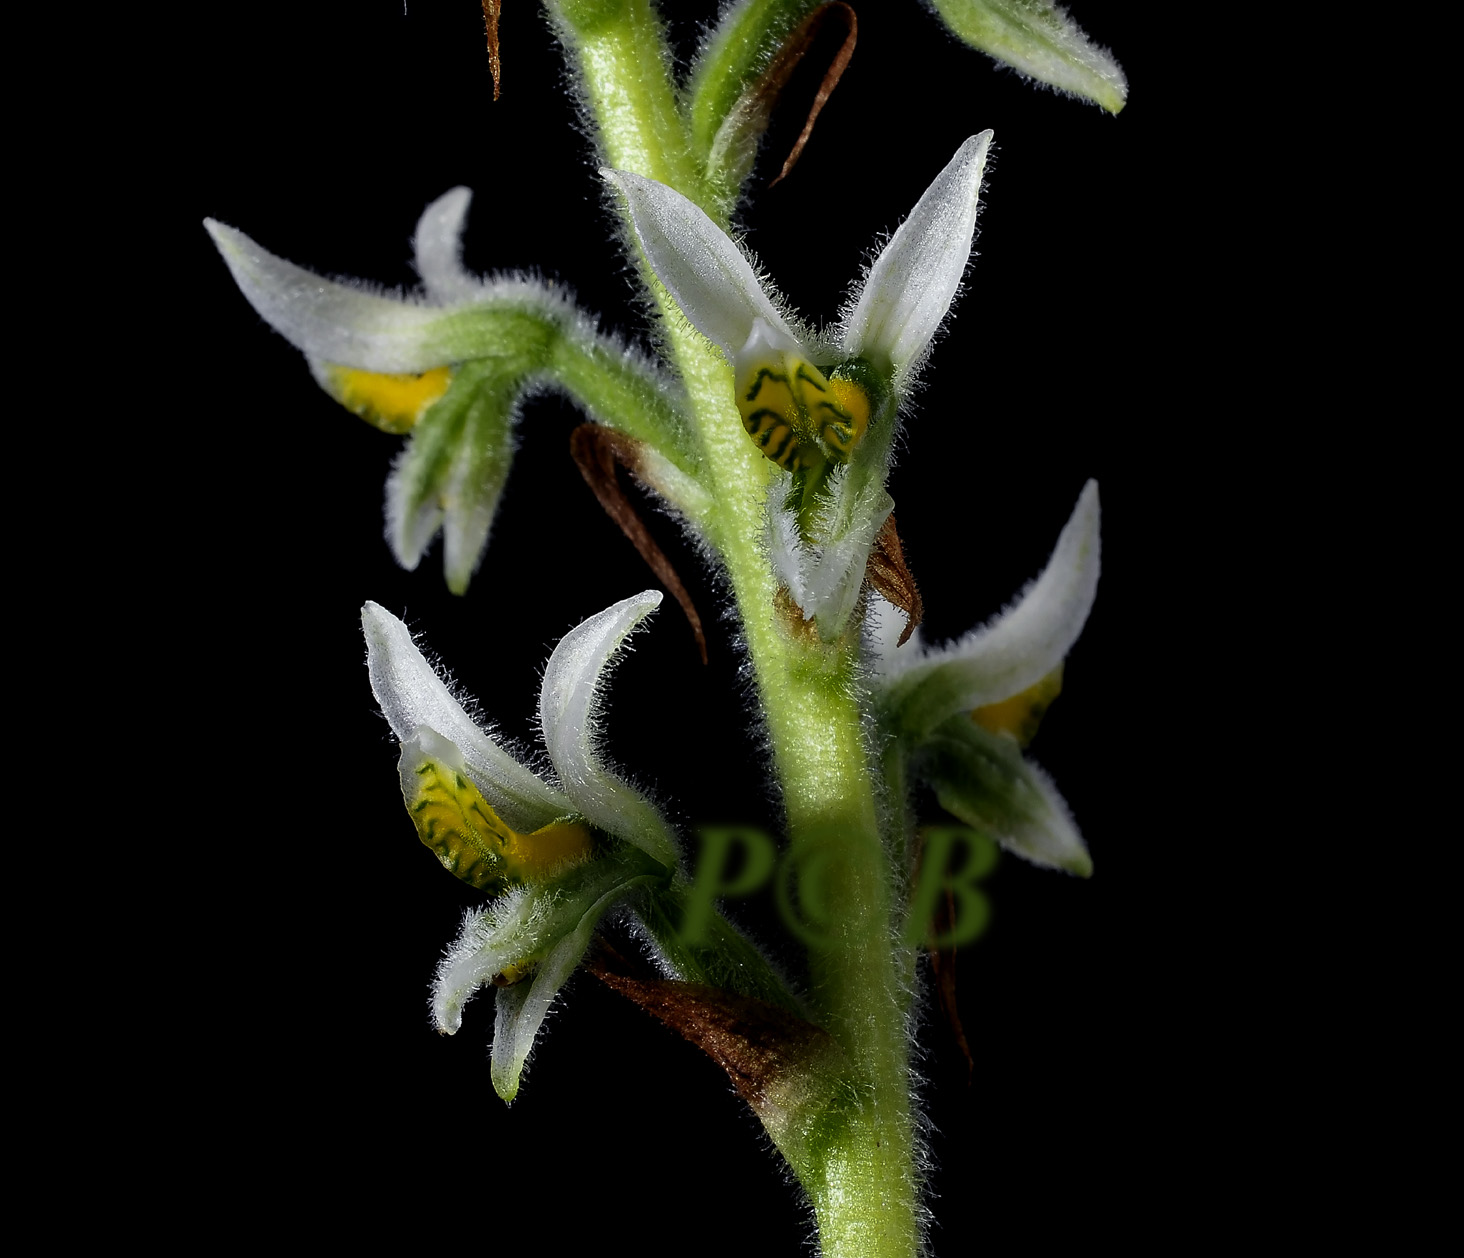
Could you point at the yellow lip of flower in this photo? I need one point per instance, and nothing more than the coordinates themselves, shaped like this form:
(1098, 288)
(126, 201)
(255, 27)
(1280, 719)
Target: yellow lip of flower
(464, 832)
(392, 402)
(1017, 718)
(797, 416)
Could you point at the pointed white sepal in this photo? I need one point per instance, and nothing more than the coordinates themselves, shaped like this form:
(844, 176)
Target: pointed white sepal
(438, 250)
(984, 779)
(912, 283)
(709, 276)
(452, 472)
(569, 703)
(523, 1007)
(1017, 649)
(335, 322)
(411, 694)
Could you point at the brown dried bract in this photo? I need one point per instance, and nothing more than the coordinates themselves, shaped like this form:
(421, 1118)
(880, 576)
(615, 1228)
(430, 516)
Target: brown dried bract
(756, 1043)
(795, 622)
(795, 48)
(888, 573)
(807, 30)
(596, 451)
(943, 970)
(490, 20)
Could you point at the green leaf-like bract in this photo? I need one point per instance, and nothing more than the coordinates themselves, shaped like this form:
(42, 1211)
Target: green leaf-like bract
(1038, 39)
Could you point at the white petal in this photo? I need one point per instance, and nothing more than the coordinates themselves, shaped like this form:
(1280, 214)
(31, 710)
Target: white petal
(438, 246)
(1019, 647)
(522, 1007)
(568, 714)
(913, 281)
(335, 322)
(983, 779)
(513, 928)
(709, 276)
(411, 694)
(452, 471)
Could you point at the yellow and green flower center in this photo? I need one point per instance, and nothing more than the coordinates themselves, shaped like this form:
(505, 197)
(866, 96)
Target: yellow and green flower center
(476, 844)
(393, 403)
(798, 417)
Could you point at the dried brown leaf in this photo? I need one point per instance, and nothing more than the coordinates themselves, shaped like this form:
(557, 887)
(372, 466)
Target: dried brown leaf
(943, 970)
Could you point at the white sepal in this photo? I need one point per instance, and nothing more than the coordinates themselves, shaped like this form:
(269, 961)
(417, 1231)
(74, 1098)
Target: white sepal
(912, 283)
(709, 276)
(452, 472)
(569, 703)
(1015, 650)
(335, 322)
(411, 694)
(438, 250)
(514, 928)
(522, 1007)
(984, 779)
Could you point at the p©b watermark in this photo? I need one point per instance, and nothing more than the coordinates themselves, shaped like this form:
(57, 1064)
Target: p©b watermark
(737, 861)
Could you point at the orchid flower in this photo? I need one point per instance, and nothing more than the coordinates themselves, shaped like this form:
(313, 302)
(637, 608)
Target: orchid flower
(822, 409)
(962, 713)
(451, 368)
(466, 793)
(555, 853)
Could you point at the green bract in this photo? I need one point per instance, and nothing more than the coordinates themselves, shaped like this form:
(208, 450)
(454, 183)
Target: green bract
(1038, 39)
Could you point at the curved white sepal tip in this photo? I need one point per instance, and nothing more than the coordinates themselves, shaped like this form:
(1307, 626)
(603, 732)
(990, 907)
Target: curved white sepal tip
(523, 1007)
(329, 320)
(569, 705)
(411, 694)
(438, 249)
(1017, 649)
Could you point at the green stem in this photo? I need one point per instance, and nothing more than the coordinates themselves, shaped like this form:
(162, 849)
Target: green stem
(855, 1158)
(859, 1171)
(624, 63)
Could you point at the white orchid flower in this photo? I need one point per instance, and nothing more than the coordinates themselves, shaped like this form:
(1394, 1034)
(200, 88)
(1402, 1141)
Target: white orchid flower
(963, 712)
(822, 409)
(506, 830)
(888, 323)
(451, 366)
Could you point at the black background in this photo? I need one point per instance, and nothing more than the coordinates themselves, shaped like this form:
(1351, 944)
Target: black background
(1078, 347)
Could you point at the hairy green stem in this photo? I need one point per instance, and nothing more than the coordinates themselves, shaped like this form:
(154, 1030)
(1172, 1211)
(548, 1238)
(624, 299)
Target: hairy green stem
(624, 63)
(858, 1166)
